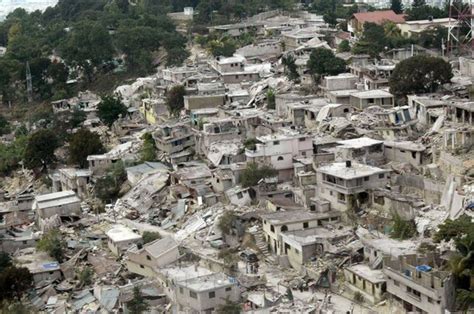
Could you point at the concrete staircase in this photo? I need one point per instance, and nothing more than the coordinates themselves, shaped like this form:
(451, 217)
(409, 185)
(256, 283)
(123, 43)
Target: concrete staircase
(257, 233)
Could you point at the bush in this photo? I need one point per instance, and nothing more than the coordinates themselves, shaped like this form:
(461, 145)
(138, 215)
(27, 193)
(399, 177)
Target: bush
(402, 229)
(226, 222)
(358, 297)
(53, 244)
(149, 236)
(253, 174)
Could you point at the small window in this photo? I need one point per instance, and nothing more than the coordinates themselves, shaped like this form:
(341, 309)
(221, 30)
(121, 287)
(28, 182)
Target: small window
(148, 257)
(141, 266)
(240, 195)
(303, 153)
(413, 155)
(272, 229)
(228, 289)
(280, 158)
(212, 295)
(381, 175)
(181, 290)
(276, 142)
(302, 139)
(25, 242)
(396, 283)
(430, 300)
(366, 178)
(305, 225)
(193, 294)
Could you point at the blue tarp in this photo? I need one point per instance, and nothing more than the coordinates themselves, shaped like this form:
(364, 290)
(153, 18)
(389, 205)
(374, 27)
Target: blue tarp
(423, 268)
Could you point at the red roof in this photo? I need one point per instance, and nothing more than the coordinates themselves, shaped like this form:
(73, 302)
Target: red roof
(379, 17)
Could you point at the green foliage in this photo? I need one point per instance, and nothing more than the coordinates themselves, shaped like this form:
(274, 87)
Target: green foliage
(402, 229)
(455, 229)
(108, 187)
(419, 74)
(358, 297)
(82, 144)
(52, 243)
(227, 222)
(464, 299)
(85, 276)
(5, 261)
(4, 125)
(148, 151)
(344, 46)
(12, 154)
(270, 99)
(323, 62)
(77, 118)
(149, 236)
(253, 173)
(16, 307)
(229, 256)
(110, 109)
(421, 11)
(396, 6)
(432, 37)
(40, 148)
(175, 99)
(289, 294)
(225, 47)
(291, 70)
(137, 304)
(14, 282)
(229, 307)
(250, 143)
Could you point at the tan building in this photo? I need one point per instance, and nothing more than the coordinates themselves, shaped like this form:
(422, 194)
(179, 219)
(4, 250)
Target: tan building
(63, 204)
(144, 259)
(366, 281)
(410, 28)
(376, 97)
(121, 238)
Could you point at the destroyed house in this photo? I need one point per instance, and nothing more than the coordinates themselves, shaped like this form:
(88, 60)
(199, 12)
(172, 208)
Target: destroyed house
(406, 151)
(374, 75)
(276, 223)
(395, 123)
(143, 259)
(302, 246)
(426, 109)
(461, 112)
(218, 131)
(200, 116)
(42, 267)
(205, 294)
(73, 179)
(418, 284)
(376, 97)
(364, 150)
(348, 185)
(192, 175)
(207, 95)
(62, 204)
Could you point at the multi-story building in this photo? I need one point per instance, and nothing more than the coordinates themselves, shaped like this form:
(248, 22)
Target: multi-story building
(278, 150)
(419, 285)
(348, 185)
(175, 139)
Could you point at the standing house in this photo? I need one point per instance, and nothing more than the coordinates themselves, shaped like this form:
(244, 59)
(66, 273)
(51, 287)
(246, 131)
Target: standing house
(419, 285)
(72, 179)
(62, 204)
(278, 150)
(364, 150)
(276, 223)
(376, 97)
(206, 293)
(120, 238)
(406, 151)
(176, 140)
(144, 259)
(366, 281)
(357, 21)
(41, 265)
(348, 186)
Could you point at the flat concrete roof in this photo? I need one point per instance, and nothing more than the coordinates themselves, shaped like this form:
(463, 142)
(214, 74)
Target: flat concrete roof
(364, 271)
(357, 170)
(119, 233)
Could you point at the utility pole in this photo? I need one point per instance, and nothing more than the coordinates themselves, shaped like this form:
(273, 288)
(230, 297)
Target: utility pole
(29, 83)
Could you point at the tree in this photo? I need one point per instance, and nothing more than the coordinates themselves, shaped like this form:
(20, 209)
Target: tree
(396, 6)
(323, 62)
(4, 125)
(402, 229)
(149, 236)
(253, 174)
(52, 243)
(344, 46)
(5, 261)
(291, 70)
(227, 222)
(85, 276)
(419, 74)
(373, 40)
(270, 99)
(432, 37)
(229, 307)
(148, 151)
(175, 99)
(107, 188)
(225, 47)
(137, 304)
(82, 144)
(14, 282)
(77, 118)
(418, 3)
(110, 109)
(40, 148)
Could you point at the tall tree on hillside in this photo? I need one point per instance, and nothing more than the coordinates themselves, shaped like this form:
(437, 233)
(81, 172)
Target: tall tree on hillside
(323, 62)
(396, 6)
(82, 144)
(419, 74)
(40, 148)
(175, 99)
(110, 109)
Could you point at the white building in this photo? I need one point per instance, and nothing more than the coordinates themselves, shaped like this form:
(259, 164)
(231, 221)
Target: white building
(63, 204)
(278, 150)
(121, 238)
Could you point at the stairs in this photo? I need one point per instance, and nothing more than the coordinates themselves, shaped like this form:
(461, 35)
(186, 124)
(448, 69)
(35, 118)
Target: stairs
(256, 231)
